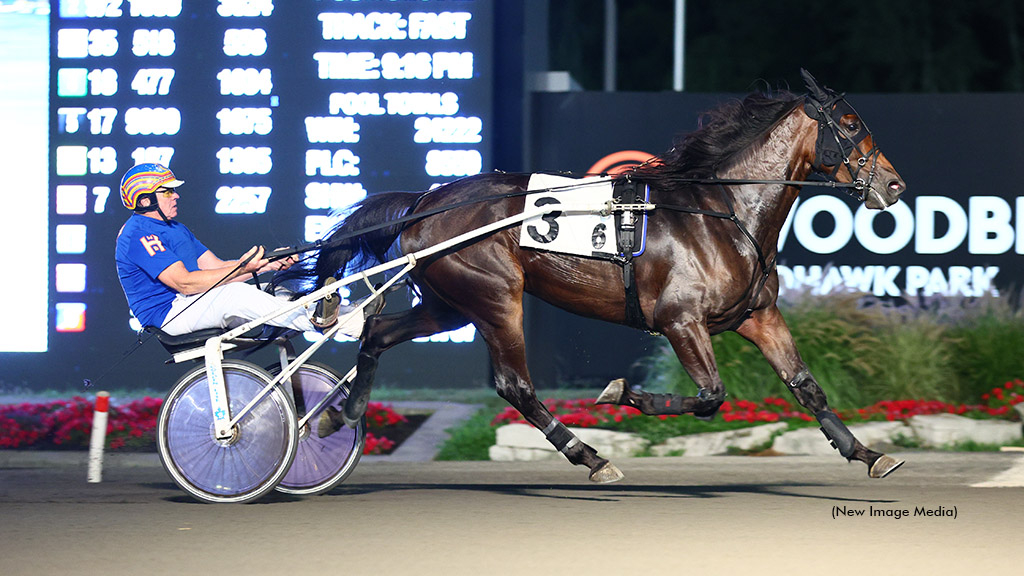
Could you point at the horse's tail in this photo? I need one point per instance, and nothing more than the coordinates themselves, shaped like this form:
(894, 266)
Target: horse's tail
(361, 240)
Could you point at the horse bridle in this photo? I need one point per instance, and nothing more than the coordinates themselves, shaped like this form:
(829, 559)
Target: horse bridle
(835, 143)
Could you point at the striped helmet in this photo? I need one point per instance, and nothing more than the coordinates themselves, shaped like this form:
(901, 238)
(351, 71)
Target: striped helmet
(145, 179)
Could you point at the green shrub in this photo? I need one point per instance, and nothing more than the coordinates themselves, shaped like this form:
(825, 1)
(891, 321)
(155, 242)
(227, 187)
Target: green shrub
(472, 439)
(915, 361)
(988, 347)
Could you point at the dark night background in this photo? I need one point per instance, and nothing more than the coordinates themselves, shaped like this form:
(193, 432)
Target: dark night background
(733, 45)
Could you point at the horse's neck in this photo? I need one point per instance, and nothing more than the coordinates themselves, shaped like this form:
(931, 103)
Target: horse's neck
(781, 155)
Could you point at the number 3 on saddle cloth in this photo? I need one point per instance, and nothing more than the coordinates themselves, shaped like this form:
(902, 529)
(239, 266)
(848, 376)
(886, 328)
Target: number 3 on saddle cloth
(618, 237)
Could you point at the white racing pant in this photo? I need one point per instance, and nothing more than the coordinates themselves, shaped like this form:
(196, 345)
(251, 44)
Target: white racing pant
(232, 305)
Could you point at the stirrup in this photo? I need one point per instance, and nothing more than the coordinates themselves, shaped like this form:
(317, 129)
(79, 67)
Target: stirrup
(326, 313)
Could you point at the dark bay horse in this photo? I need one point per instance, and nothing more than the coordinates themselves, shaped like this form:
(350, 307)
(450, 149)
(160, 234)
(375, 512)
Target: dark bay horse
(708, 264)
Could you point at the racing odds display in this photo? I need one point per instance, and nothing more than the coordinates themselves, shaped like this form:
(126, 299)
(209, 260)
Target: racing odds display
(276, 114)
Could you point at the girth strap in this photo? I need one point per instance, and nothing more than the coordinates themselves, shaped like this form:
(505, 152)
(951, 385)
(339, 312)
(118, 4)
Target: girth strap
(626, 228)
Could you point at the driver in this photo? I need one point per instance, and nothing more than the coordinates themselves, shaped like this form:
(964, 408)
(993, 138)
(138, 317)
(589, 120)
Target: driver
(175, 283)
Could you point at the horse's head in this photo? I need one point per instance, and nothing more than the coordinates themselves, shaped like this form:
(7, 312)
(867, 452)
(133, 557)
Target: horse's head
(844, 139)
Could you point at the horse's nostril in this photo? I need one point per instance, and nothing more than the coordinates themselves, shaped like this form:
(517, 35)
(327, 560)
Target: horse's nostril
(896, 186)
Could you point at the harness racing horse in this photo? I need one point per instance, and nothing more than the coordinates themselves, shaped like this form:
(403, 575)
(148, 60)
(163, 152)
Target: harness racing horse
(720, 197)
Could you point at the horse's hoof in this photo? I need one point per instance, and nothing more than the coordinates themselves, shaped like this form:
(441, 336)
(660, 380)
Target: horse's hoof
(613, 392)
(606, 474)
(884, 466)
(329, 423)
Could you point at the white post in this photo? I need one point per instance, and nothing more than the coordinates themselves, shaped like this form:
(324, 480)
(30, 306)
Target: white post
(678, 70)
(611, 25)
(99, 437)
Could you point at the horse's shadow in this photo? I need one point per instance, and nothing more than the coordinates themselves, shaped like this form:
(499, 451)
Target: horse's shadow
(598, 493)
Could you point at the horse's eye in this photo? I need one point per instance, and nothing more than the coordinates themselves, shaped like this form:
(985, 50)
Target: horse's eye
(853, 127)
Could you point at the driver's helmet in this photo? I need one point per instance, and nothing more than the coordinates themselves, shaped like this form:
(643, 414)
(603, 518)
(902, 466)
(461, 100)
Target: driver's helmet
(145, 179)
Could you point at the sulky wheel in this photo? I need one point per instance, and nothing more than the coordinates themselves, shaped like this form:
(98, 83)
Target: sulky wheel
(320, 463)
(242, 468)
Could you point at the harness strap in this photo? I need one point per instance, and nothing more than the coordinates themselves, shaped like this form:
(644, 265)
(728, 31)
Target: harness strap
(766, 267)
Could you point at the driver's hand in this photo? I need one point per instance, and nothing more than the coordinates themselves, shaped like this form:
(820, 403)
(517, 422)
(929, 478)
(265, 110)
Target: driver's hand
(256, 262)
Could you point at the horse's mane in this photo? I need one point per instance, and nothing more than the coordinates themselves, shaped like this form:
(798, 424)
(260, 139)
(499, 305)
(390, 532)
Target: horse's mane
(721, 133)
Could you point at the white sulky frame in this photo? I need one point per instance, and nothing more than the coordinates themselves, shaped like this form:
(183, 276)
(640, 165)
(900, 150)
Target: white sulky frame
(224, 421)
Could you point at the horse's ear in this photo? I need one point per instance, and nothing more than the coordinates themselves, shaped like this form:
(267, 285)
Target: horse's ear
(813, 87)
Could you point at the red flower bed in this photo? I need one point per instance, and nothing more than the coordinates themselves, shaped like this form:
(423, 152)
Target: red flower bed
(770, 409)
(1003, 398)
(579, 413)
(379, 417)
(67, 424)
(998, 403)
(375, 445)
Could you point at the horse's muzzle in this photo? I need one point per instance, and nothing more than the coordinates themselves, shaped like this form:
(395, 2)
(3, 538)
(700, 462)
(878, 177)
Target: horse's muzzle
(881, 197)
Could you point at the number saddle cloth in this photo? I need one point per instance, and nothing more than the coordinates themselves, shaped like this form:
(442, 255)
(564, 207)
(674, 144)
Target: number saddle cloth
(616, 236)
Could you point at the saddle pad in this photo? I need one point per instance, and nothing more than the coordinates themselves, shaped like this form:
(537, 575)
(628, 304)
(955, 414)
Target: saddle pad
(584, 233)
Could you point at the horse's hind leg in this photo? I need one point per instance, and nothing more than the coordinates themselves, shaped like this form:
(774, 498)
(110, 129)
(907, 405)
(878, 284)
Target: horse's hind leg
(380, 333)
(768, 331)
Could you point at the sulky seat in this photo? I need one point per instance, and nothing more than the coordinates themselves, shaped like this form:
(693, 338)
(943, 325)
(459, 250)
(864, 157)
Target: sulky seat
(179, 344)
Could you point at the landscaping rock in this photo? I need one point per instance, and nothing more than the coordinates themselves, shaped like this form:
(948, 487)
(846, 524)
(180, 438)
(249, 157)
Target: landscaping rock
(712, 443)
(521, 436)
(874, 433)
(524, 442)
(938, 430)
(499, 453)
(611, 444)
(811, 441)
(808, 441)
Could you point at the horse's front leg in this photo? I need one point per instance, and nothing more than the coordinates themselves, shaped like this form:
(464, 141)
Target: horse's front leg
(692, 345)
(768, 331)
